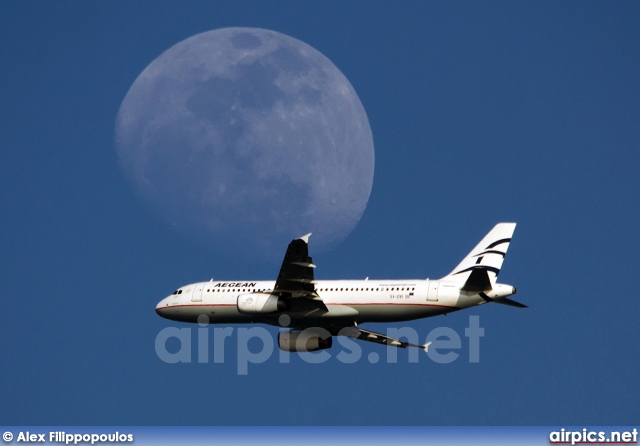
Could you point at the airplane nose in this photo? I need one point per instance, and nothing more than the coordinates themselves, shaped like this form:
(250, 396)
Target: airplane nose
(160, 307)
(163, 312)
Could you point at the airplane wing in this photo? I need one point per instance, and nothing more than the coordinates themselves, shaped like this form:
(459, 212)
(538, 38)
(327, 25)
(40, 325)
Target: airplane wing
(372, 336)
(296, 273)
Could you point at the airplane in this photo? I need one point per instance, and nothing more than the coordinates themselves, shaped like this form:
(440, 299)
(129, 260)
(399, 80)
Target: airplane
(316, 310)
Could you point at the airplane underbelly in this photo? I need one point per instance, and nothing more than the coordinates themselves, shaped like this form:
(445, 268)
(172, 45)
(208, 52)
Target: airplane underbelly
(218, 314)
(227, 314)
(396, 312)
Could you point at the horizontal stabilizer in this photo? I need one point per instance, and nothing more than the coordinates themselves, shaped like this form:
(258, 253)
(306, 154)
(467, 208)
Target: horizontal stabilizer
(511, 303)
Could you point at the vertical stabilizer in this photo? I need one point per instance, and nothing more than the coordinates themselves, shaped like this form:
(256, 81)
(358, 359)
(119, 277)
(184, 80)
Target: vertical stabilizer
(488, 255)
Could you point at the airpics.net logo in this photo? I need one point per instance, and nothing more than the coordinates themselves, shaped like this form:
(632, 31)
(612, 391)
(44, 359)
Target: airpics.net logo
(256, 345)
(588, 436)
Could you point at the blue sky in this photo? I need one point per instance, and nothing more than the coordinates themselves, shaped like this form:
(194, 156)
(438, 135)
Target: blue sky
(480, 113)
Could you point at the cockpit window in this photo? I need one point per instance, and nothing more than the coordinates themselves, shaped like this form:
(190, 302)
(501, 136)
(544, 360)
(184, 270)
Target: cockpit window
(175, 292)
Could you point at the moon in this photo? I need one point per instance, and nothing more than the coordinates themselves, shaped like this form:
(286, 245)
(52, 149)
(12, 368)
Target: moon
(245, 138)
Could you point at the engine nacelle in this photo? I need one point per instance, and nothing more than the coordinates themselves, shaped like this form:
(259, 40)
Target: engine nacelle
(253, 303)
(308, 340)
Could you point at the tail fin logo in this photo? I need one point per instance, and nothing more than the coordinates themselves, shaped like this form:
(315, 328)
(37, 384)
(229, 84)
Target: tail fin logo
(488, 255)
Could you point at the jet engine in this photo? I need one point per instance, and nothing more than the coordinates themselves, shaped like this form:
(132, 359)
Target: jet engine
(308, 340)
(253, 303)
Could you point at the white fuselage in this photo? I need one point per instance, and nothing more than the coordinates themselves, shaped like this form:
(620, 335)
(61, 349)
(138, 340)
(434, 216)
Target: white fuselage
(297, 301)
(353, 301)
